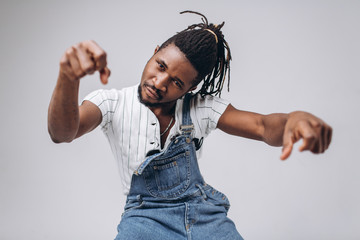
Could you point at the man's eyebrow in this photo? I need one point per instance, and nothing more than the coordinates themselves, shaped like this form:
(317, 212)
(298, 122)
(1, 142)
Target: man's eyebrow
(162, 63)
(166, 67)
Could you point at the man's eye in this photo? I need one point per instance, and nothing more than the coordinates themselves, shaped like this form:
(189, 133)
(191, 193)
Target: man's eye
(162, 67)
(178, 84)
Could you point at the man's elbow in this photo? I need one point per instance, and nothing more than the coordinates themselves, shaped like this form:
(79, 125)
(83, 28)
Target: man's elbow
(56, 138)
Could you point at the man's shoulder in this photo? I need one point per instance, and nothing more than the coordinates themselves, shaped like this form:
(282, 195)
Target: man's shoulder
(129, 89)
(118, 92)
(100, 95)
(207, 100)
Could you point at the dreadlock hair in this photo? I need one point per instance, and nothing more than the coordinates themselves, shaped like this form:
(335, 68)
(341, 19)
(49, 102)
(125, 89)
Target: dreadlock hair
(209, 54)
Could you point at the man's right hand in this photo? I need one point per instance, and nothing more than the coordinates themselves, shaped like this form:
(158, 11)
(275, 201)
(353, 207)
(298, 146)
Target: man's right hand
(82, 59)
(66, 120)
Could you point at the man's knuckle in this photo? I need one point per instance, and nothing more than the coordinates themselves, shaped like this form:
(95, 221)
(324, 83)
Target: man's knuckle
(310, 137)
(86, 42)
(100, 56)
(317, 124)
(77, 46)
(69, 51)
(63, 62)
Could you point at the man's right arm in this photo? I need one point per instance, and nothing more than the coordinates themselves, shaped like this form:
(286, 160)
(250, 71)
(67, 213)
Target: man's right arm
(66, 120)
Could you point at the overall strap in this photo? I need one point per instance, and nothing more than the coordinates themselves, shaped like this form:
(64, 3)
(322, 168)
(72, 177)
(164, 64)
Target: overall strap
(186, 129)
(187, 125)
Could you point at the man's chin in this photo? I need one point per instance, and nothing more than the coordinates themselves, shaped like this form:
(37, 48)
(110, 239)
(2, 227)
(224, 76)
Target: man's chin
(150, 104)
(146, 103)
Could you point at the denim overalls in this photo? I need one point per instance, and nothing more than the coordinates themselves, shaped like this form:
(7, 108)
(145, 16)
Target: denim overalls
(169, 200)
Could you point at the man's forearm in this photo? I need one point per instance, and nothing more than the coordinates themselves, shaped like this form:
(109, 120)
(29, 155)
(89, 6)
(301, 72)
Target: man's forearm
(63, 113)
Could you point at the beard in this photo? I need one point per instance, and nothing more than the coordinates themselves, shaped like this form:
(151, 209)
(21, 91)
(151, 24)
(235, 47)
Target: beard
(147, 103)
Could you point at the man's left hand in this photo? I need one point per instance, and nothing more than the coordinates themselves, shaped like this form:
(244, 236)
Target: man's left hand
(316, 134)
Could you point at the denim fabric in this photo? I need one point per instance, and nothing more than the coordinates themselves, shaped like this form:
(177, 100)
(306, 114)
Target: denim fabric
(169, 200)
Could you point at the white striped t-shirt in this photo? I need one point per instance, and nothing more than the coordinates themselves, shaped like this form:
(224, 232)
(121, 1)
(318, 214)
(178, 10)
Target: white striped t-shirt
(133, 130)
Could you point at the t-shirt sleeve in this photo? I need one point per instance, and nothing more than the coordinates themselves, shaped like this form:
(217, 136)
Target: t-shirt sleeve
(208, 110)
(107, 101)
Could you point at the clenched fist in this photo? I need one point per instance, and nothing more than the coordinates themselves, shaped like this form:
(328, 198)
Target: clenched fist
(82, 59)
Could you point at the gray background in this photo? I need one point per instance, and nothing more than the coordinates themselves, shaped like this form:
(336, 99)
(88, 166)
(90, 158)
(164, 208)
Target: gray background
(287, 55)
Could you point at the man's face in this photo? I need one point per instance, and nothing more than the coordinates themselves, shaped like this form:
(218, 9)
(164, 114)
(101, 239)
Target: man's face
(167, 76)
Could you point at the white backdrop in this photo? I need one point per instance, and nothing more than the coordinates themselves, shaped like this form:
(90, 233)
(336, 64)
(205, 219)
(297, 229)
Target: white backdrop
(287, 55)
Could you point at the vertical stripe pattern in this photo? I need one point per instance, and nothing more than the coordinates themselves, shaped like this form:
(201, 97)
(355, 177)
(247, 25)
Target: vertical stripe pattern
(133, 130)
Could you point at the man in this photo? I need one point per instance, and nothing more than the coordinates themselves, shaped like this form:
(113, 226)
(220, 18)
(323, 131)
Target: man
(156, 129)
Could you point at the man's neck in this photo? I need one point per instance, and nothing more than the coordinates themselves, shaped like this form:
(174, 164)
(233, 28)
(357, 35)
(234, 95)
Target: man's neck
(167, 109)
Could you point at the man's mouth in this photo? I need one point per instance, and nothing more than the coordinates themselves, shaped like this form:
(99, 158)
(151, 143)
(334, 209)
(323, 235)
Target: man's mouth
(152, 92)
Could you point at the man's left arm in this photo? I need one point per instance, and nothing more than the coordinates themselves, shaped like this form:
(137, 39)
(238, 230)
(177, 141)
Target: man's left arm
(278, 129)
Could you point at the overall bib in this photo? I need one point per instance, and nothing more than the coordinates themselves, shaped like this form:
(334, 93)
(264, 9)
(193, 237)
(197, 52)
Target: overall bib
(169, 200)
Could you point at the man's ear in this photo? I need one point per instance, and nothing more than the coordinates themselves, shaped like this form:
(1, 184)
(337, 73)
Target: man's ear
(192, 89)
(156, 49)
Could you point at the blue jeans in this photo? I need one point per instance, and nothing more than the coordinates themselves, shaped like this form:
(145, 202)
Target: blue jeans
(169, 200)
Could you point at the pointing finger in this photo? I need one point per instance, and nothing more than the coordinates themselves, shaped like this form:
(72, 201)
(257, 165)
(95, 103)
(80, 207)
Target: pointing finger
(288, 142)
(286, 151)
(104, 75)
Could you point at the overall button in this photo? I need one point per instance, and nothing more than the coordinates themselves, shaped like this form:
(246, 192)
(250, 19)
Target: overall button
(188, 140)
(176, 141)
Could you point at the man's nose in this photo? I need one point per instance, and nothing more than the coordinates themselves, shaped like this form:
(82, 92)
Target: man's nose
(161, 82)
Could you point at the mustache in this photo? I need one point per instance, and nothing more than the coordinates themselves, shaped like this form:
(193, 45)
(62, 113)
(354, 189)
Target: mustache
(157, 91)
